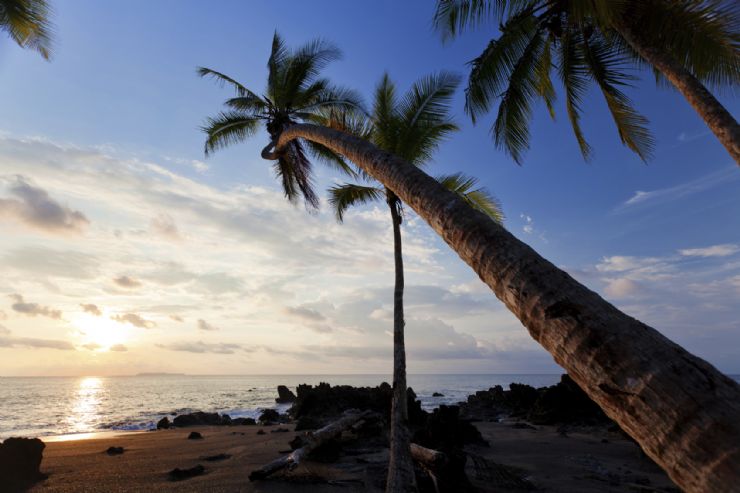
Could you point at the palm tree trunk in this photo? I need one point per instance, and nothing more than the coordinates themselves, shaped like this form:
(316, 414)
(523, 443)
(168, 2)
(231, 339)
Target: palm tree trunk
(716, 116)
(401, 475)
(683, 412)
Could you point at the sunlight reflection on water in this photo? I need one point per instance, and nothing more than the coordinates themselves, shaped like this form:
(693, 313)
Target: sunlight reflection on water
(85, 405)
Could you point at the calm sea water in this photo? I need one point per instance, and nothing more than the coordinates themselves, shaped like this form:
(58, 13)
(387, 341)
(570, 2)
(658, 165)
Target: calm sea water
(43, 406)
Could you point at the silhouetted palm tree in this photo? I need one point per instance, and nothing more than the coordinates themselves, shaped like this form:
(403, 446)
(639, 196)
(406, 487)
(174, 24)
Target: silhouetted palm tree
(295, 93)
(411, 128)
(688, 43)
(27, 23)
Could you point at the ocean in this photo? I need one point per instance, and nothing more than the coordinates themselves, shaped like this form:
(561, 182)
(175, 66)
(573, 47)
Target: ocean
(44, 406)
(47, 406)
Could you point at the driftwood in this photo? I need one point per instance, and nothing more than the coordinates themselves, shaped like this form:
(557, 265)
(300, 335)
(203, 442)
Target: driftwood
(313, 440)
(432, 459)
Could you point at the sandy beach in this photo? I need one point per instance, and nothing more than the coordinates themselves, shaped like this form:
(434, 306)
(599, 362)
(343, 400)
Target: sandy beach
(543, 457)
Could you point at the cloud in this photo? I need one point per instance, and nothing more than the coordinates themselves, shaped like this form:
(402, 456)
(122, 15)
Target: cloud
(43, 261)
(34, 207)
(304, 313)
(723, 250)
(670, 194)
(177, 318)
(127, 282)
(91, 308)
(3, 316)
(118, 348)
(33, 309)
(201, 347)
(203, 325)
(528, 226)
(135, 320)
(92, 346)
(622, 288)
(4, 330)
(164, 225)
(29, 342)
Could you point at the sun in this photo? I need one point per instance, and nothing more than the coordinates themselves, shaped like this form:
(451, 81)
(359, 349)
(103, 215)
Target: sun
(100, 333)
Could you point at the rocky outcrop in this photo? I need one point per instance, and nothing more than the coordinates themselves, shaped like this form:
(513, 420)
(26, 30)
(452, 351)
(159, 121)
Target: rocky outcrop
(163, 423)
(564, 403)
(20, 459)
(285, 395)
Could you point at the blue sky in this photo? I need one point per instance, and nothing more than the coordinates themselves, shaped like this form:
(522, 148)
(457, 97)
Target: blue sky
(660, 240)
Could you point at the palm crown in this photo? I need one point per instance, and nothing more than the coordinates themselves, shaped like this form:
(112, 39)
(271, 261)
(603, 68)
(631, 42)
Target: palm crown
(27, 23)
(577, 39)
(295, 93)
(412, 128)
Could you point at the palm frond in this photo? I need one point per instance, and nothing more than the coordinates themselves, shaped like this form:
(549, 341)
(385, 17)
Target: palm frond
(574, 76)
(228, 128)
(222, 79)
(478, 198)
(342, 197)
(511, 128)
(543, 82)
(28, 24)
(335, 98)
(384, 114)
(452, 17)
(294, 171)
(330, 158)
(492, 69)
(607, 67)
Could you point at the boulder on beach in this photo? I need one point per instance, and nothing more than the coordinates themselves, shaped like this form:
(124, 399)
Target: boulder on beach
(178, 474)
(243, 422)
(566, 403)
(285, 395)
(201, 419)
(163, 423)
(194, 435)
(114, 450)
(20, 459)
(269, 416)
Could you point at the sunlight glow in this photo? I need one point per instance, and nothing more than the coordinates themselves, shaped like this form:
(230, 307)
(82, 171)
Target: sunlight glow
(100, 333)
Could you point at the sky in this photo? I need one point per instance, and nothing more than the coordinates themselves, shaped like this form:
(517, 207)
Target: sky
(125, 250)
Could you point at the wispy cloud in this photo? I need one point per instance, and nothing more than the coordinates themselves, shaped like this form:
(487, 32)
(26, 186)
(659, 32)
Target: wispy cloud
(723, 250)
(135, 320)
(203, 325)
(201, 347)
(665, 195)
(127, 282)
(91, 308)
(30, 342)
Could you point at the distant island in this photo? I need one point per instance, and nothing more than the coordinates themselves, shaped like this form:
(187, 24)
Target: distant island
(160, 374)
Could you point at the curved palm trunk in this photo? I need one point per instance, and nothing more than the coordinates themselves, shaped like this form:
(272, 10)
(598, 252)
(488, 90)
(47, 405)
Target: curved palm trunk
(717, 118)
(400, 467)
(683, 412)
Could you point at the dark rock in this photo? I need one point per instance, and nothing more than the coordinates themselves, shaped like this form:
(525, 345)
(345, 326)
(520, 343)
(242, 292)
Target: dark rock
(285, 395)
(437, 394)
(163, 423)
(446, 431)
(323, 402)
(114, 451)
(201, 419)
(261, 432)
(243, 422)
(214, 458)
(269, 416)
(566, 403)
(178, 474)
(194, 435)
(280, 430)
(20, 459)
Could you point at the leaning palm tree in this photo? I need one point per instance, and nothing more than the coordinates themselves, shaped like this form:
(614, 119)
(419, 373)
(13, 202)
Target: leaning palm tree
(412, 129)
(27, 23)
(684, 413)
(295, 93)
(689, 44)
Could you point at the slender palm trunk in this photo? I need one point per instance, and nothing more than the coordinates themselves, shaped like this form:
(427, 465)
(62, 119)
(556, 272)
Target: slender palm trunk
(716, 116)
(683, 412)
(401, 475)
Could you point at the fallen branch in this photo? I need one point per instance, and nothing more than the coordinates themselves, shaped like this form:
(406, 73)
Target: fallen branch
(313, 441)
(430, 458)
